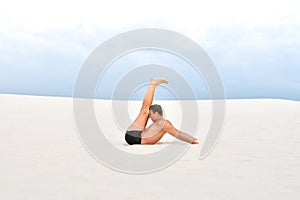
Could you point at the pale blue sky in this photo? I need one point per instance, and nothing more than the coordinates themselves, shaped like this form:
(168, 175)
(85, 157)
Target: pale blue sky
(254, 45)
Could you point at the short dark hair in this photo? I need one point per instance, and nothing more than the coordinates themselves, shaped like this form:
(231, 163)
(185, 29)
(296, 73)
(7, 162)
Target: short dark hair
(156, 108)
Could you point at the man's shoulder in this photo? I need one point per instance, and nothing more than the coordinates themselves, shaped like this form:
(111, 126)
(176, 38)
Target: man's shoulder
(161, 122)
(167, 123)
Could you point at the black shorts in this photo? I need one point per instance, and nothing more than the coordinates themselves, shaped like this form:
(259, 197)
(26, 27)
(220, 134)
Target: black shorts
(133, 137)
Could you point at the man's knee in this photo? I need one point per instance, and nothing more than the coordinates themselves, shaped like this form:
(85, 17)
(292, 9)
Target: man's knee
(144, 111)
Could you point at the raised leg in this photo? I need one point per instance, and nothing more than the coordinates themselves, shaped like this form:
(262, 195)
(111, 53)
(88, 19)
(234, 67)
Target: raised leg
(141, 121)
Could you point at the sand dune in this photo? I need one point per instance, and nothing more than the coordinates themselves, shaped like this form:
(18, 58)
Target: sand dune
(257, 157)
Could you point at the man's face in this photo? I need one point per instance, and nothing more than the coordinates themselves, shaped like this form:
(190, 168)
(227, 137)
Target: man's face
(153, 116)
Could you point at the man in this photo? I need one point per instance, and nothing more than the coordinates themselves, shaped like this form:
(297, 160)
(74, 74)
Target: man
(137, 133)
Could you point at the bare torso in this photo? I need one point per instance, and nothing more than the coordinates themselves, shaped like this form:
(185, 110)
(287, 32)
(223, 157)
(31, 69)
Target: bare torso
(154, 132)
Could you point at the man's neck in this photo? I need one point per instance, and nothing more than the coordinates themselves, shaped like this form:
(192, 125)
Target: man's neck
(159, 118)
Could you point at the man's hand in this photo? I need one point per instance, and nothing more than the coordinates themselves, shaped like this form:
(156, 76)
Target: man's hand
(195, 141)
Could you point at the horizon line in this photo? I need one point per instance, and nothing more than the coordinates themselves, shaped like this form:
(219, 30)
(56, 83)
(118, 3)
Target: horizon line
(65, 96)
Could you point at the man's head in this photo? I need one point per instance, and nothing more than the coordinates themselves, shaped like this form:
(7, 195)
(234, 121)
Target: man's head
(155, 112)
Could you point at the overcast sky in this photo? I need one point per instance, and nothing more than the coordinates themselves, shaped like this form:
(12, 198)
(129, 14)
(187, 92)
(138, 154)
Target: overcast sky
(254, 44)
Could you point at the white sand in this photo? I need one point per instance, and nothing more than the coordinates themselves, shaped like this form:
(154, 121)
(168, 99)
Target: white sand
(257, 157)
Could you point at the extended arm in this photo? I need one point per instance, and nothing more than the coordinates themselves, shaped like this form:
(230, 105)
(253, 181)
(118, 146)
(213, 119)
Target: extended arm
(168, 127)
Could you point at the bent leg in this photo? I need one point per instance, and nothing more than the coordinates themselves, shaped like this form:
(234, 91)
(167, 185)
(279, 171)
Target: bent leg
(141, 121)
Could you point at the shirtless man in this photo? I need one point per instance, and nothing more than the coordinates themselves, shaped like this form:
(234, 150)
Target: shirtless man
(137, 133)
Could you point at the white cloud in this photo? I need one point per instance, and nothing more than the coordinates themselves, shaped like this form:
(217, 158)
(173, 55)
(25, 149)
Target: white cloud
(76, 27)
(193, 16)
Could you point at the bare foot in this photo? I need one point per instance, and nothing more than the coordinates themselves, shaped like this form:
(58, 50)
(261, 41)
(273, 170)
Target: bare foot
(158, 80)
